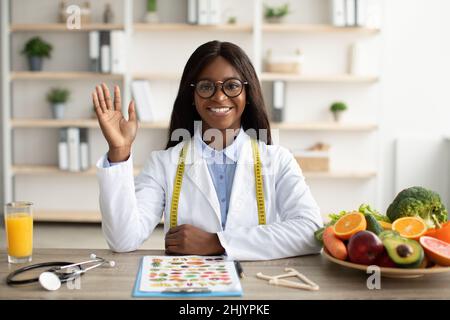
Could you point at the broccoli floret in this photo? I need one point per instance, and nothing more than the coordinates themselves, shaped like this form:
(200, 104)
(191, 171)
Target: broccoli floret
(418, 202)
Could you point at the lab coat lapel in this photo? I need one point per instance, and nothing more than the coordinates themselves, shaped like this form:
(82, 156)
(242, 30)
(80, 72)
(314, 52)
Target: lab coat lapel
(197, 171)
(243, 182)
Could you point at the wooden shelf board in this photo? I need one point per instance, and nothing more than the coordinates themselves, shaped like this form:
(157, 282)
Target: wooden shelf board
(266, 76)
(92, 123)
(43, 215)
(324, 126)
(53, 170)
(339, 78)
(62, 27)
(340, 175)
(80, 123)
(317, 28)
(192, 27)
(46, 75)
(157, 76)
(67, 216)
(48, 170)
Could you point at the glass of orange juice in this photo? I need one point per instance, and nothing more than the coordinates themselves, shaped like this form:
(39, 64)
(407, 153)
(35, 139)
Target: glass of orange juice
(19, 231)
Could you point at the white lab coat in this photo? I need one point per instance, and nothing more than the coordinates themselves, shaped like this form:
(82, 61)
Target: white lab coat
(132, 207)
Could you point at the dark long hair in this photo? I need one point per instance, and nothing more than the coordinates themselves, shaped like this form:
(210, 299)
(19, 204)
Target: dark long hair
(184, 112)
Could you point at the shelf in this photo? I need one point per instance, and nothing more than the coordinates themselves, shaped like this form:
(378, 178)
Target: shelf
(39, 170)
(45, 75)
(61, 27)
(80, 123)
(192, 27)
(317, 28)
(157, 76)
(324, 126)
(266, 76)
(343, 78)
(93, 123)
(67, 216)
(339, 78)
(340, 175)
(36, 170)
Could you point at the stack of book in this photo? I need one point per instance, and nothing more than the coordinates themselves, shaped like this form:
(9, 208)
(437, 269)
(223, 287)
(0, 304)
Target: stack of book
(107, 51)
(144, 100)
(73, 149)
(351, 13)
(204, 12)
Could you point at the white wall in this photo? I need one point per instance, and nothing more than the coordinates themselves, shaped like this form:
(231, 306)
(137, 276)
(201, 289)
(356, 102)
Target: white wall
(415, 83)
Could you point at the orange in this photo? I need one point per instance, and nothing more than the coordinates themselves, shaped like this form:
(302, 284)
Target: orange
(437, 250)
(442, 233)
(410, 227)
(350, 224)
(385, 225)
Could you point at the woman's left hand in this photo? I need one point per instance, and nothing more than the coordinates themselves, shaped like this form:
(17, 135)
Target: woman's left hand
(187, 239)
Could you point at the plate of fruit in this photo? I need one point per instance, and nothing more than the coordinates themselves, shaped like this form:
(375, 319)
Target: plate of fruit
(411, 240)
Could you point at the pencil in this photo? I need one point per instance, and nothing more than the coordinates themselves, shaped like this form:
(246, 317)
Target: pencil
(239, 269)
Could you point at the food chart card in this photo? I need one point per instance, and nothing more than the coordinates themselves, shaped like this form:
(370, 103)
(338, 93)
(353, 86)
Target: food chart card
(187, 275)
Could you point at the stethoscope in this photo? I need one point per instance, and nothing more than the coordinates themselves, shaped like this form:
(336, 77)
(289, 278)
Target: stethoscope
(59, 272)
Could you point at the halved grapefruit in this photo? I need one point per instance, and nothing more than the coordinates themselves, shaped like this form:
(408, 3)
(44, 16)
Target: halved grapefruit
(437, 250)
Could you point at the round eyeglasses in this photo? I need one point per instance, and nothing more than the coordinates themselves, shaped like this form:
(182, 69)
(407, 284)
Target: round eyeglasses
(230, 87)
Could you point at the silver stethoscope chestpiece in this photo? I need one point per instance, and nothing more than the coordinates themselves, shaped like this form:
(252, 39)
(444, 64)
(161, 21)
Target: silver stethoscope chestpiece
(49, 281)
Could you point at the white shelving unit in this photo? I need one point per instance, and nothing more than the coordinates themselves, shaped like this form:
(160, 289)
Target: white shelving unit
(256, 30)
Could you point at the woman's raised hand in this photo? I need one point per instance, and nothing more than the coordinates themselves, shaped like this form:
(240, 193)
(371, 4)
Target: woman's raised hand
(119, 132)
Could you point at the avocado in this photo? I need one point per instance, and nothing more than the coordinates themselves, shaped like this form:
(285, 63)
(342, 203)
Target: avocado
(405, 253)
(388, 234)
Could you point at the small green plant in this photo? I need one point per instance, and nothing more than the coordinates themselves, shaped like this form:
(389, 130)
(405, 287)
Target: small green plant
(151, 5)
(232, 20)
(58, 95)
(36, 47)
(338, 106)
(276, 12)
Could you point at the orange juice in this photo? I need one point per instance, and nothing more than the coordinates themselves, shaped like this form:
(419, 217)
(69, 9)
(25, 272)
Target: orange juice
(19, 233)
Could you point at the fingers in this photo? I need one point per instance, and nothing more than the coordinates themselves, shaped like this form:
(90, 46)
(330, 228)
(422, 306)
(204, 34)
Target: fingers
(117, 99)
(173, 251)
(173, 236)
(101, 98)
(107, 96)
(174, 248)
(132, 112)
(97, 108)
(175, 229)
(173, 242)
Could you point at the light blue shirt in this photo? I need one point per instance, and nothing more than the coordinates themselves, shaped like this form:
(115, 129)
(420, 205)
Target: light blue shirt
(221, 167)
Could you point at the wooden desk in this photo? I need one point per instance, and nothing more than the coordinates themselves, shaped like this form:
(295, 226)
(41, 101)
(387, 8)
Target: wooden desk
(335, 282)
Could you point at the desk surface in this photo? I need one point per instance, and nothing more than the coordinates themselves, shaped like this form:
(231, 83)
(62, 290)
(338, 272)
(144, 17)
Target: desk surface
(335, 281)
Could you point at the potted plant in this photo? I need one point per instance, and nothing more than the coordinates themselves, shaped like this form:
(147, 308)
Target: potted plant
(57, 97)
(337, 108)
(276, 14)
(36, 49)
(152, 14)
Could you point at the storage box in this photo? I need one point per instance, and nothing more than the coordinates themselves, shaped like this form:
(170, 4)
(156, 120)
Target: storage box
(284, 63)
(313, 161)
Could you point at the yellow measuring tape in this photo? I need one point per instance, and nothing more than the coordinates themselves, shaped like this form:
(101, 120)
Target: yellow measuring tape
(258, 185)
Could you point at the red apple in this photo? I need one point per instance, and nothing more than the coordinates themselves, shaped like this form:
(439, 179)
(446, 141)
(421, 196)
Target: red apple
(364, 247)
(385, 261)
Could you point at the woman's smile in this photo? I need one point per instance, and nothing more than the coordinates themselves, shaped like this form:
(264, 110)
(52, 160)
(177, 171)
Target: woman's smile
(220, 111)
